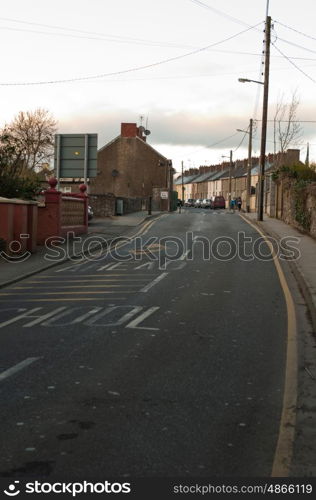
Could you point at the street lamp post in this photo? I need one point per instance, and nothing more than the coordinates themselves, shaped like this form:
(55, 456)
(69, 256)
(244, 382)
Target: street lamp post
(230, 175)
(265, 83)
(182, 184)
(248, 185)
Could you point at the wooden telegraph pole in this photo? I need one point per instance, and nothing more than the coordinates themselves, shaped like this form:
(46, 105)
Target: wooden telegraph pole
(249, 166)
(264, 118)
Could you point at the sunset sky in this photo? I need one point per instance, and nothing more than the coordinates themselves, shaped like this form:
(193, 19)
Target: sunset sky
(191, 99)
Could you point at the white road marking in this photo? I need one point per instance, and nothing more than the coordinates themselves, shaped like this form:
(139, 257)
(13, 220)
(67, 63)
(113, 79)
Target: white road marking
(120, 321)
(177, 267)
(64, 269)
(153, 283)
(53, 320)
(183, 256)
(42, 318)
(86, 315)
(16, 368)
(141, 318)
(16, 318)
(148, 265)
(114, 266)
(104, 267)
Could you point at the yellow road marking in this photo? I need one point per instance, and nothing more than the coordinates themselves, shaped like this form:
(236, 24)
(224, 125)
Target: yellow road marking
(63, 276)
(284, 450)
(85, 281)
(60, 293)
(71, 286)
(75, 299)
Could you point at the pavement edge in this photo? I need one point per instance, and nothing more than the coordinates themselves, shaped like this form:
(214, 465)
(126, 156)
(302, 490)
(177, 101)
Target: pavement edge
(284, 449)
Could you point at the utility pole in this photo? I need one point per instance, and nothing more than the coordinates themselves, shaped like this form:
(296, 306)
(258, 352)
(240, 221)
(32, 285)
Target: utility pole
(264, 117)
(230, 177)
(249, 167)
(182, 183)
(170, 184)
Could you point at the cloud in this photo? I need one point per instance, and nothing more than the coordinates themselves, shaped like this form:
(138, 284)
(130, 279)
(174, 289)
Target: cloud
(181, 128)
(186, 128)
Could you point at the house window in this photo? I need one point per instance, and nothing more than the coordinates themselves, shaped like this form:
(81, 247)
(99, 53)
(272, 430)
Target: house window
(65, 189)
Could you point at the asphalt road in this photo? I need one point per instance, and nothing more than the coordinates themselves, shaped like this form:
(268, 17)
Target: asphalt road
(135, 369)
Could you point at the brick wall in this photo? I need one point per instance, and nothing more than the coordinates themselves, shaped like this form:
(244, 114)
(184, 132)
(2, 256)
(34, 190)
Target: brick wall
(301, 215)
(128, 167)
(103, 205)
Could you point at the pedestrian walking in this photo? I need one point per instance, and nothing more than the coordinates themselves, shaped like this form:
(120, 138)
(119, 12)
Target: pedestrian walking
(239, 203)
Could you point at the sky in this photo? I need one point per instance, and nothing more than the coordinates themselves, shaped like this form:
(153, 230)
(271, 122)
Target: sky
(176, 63)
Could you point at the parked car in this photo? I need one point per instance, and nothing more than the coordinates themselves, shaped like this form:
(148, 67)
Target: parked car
(189, 203)
(90, 212)
(218, 202)
(206, 203)
(198, 203)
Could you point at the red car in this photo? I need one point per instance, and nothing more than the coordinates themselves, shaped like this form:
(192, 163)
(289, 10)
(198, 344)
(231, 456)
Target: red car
(218, 202)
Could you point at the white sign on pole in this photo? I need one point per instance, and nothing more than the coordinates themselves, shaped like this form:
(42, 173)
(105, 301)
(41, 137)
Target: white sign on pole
(164, 195)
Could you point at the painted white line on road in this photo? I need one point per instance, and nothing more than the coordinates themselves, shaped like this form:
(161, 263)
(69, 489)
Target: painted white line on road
(63, 269)
(141, 318)
(183, 256)
(126, 317)
(154, 282)
(16, 368)
(53, 321)
(44, 317)
(24, 315)
(148, 265)
(104, 267)
(114, 266)
(86, 315)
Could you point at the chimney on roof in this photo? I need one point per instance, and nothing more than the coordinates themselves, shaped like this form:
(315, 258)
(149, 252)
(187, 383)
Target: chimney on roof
(129, 130)
(292, 156)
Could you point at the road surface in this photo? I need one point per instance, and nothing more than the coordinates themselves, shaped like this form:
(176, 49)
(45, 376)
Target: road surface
(140, 368)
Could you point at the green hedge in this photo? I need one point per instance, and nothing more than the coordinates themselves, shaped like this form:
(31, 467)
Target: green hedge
(25, 188)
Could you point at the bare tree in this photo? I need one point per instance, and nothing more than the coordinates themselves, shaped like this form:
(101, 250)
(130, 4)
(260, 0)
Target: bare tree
(32, 134)
(11, 161)
(287, 130)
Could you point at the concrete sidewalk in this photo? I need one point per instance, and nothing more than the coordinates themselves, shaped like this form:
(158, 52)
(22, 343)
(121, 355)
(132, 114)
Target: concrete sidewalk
(304, 268)
(109, 224)
(106, 228)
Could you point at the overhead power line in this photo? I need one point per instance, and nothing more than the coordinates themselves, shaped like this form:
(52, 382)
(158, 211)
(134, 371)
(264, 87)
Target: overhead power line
(138, 68)
(294, 64)
(296, 31)
(209, 145)
(296, 45)
(219, 12)
(120, 39)
(293, 121)
(105, 36)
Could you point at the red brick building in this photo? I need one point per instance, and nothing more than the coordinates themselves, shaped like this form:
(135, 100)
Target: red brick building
(128, 167)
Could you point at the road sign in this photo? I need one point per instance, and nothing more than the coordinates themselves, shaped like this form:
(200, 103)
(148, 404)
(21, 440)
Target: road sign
(76, 155)
(164, 195)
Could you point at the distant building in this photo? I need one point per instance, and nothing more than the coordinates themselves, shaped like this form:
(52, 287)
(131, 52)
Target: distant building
(214, 180)
(132, 170)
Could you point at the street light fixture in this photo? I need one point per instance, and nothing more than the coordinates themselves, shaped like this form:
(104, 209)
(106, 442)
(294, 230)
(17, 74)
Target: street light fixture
(246, 80)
